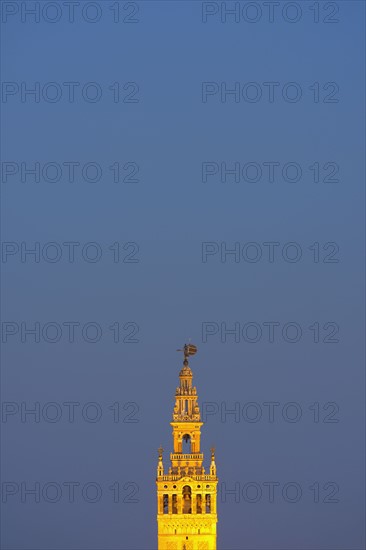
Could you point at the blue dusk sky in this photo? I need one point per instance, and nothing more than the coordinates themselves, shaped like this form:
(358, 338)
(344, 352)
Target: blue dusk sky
(175, 171)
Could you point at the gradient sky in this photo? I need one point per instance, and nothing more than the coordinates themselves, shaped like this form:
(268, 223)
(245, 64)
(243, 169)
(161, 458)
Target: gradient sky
(170, 292)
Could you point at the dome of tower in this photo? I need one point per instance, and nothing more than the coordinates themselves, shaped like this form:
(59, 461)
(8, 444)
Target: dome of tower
(186, 371)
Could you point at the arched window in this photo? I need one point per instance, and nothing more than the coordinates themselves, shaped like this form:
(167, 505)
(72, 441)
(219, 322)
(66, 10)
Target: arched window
(186, 444)
(187, 500)
(199, 504)
(165, 504)
(208, 504)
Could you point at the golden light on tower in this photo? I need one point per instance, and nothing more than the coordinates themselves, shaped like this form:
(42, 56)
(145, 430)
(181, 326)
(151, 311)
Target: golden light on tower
(186, 495)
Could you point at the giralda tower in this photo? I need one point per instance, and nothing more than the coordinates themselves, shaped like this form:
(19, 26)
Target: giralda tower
(187, 514)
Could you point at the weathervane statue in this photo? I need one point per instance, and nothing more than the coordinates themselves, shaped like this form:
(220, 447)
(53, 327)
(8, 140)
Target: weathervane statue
(188, 349)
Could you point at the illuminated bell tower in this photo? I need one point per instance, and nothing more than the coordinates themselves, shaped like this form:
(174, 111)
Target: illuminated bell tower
(187, 514)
